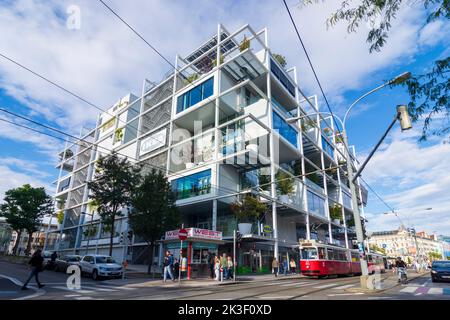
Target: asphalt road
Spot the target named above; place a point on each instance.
(270, 288)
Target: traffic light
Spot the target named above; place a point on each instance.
(238, 236)
(121, 237)
(130, 235)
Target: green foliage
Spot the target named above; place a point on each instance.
(434, 256)
(429, 92)
(192, 78)
(375, 248)
(249, 210)
(90, 231)
(285, 184)
(351, 222)
(60, 217)
(118, 135)
(264, 180)
(280, 59)
(307, 124)
(313, 177)
(245, 44)
(154, 210)
(214, 62)
(336, 212)
(112, 188)
(24, 207)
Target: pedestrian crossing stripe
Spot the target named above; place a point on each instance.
(326, 286)
(344, 287)
(426, 290)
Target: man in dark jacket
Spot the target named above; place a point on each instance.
(210, 263)
(36, 262)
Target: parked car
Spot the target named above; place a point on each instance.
(98, 266)
(64, 262)
(440, 271)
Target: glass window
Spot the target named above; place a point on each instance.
(321, 253)
(309, 253)
(284, 129)
(327, 147)
(192, 185)
(347, 200)
(195, 95)
(104, 260)
(279, 74)
(316, 204)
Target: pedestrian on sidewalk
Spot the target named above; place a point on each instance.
(285, 266)
(176, 268)
(168, 265)
(224, 266)
(210, 263)
(293, 266)
(217, 268)
(36, 263)
(229, 268)
(275, 266)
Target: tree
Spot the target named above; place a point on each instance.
(249, 210)
(429, 91)
(24, 209)
(114, 182)
(153, 210)
(374, 247)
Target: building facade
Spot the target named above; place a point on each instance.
(229, 120)
(402, 243)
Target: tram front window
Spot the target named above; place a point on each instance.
(309, 254)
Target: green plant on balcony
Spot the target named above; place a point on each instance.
(351, 222)
(327, 131)
(90, 231)
(313, 177)
(118, 135)
(191, 78)
(285, 184)
(339, 139)
(221, 60)
(248, 210)
(280, 59)
(92, 206)
(336, 212)
(245, 44)
(307, 124)
(264, 180)
(60, 216)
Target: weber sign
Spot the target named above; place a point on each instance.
(195, 234)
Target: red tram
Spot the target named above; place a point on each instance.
(323, 260)
(376, 263)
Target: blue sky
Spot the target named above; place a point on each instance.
(102, 61)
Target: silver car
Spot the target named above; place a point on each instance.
(98, 266)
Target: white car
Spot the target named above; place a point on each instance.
(98, 266)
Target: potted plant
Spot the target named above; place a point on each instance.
(118, 135)
(245, 44)
(191, 78)
(307, 124)
(336, 213)
(285, 185)
(280, 59)
(60, 216)
(247, 211)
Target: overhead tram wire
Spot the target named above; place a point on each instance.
(377, 195)
(91, 104)
(230, 192)
(321, 89)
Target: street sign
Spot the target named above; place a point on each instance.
(267, 229)
(182, 234)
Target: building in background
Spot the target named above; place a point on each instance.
(219, 131)
(446, 245)
(402, 243)
(5, 235)
(48, 225)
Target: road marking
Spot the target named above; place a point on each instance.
(71, 295)
(38, 292)
(84, 298)
(115, 288)
(325, 286)
(344, 287)
(422, 290)
(299, 284)
(435, 291)
(274, 297)
(446, 291)
(409, 289)
(345, 294)
(82, 291)
(378, 298)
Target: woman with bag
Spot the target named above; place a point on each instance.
(36, 262)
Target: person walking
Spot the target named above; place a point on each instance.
(285, 267)
(293, 266)
(217, 268)
(36, 262)
(168, 265)
(210, 263)
(223, 267)
(176, 268)
(229, 268)
(275, 266)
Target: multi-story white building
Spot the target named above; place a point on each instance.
(220, 131)
(403, 243)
